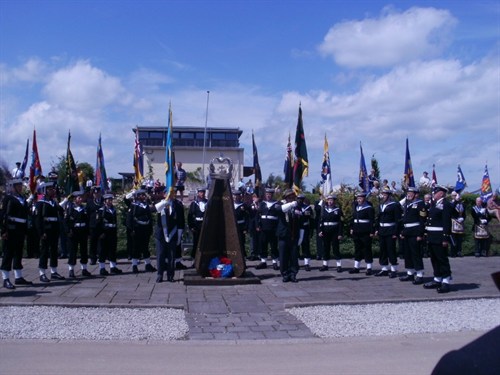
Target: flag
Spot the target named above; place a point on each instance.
(301, 164)
(256, 168)
(100, 170)
(138, 161)
(169, 159)
(25, 160)
(36, 167)
(71, 183)
(434, 178)
(288, 167)
(461, 184)
(364, 184)
(326, 173)
(408, 179)
(486, 191)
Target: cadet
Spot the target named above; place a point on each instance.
(267, 223)
(330, 229)
(13, 226)
(77, 225)
(288, 235)
(48, 213)
(438, 235)
(141, 225)
(306, 223)
(195, 217)
(93, 205)
(241, 213)
(106, 226)
(388, 221)
(362, 231)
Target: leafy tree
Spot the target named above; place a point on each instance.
(375, 167)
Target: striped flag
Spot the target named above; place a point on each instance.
(100, 170)
(169, 159)
(301, 164)
(326, 172)
(35, 167)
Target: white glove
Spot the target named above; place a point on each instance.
(484, 221)
(460, 219)
(130, 195)
(160, 205)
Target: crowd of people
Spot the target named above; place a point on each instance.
(84, 226)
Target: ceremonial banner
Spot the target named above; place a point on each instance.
(169, 159)
(326, 173)
(36, 167)
(138, 161)
(408, 178)
(486, 191)
(100, 170)
(25, 160)
(256, 168)
(288, 167)
(364, 184)
(461, 184)
(71, 178)
(301, 164)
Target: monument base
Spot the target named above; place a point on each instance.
(191, 277)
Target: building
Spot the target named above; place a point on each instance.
(190, 149)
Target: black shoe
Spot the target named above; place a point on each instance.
(307, 267)
(276, 267)
(459, 254)
(418, 280)
(393, 275)
(444, 288)
(253, 258)
(340, 269)
(261, 266)
(115, 270)
(93, 262)
(103, 272)
(56, 276)
(170, 279)
(63, 256)
(159, 279)
(369, 272)
(477, 255)
(8, 285)
(354, 270)
(22, 281)
(86, 273)
(382, 273)
(432, 285)
(286, 279)
(293, 279)
(149, 268)
(71, 274)
(135, 269)
(44, 279)
(407, 278)
(323, 269)
(180, 266)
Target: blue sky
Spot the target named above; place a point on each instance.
(368, 71)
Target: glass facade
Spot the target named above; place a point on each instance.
(191, 138)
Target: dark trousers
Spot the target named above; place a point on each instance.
(48, 249)
(413, 253)
(319, 247)
(32, 243)
(107, 246)
(13, 251)
(439, 260)
(305, 246)
(166, 257)
(482, 246)
(141, 243)
(93, 244)
(255, 243)
(268, 238)
(331, 242)
(363, 247)
(388, 250)
(78, 239)
(456, 244)
(289, 257)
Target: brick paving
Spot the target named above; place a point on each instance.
(248, 312)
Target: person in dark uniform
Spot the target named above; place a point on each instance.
(362, 231)
(412, 233)
(170, 224)
(77, 226)
(48, 214)
(306, 226)
(482, 238)
(438, 230)
(318, 205)
(107, 228)
(32, 239)
(267, 222)
(388, 221)
(140, 221)
(457, 229)
(196, 213)
(93, 206)
(252, 229)
(13, 227)
(242, 214)
(287, 231)
(330, 231)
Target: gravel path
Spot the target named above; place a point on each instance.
(400, 318)
(90, 323)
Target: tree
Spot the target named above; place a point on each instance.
(375, 167)
(86, 170)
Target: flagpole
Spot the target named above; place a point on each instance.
(205, 139)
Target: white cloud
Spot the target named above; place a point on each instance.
(391, 39)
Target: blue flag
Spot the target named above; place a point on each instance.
(408, 179)
(461, 184)
(363, 174)
(169, 159)
(486, 191)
